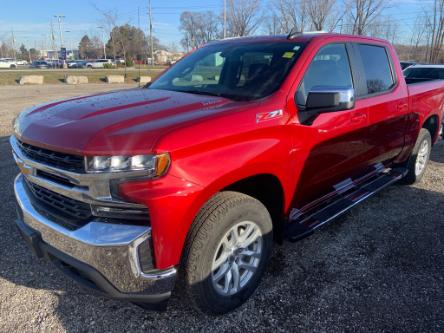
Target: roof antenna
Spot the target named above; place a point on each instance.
(292, 32)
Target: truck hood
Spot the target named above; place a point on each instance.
(118, 122)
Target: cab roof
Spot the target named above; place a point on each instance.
(297, 37)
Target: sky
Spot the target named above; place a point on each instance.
(30, 19)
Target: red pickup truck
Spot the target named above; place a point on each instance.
(241, 144)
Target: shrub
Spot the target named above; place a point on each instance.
(108, 66)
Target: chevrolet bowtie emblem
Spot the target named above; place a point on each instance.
(24, 168)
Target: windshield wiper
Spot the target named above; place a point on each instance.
(224, 95)
(200, 92)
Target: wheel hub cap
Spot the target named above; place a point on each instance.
(237, 258)
(422, 157)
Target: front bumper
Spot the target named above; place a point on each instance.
(99, 255)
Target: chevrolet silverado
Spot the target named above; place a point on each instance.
(242, 144)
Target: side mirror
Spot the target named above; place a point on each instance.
(323, 100)
(330, 100)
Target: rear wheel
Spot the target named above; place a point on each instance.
(417, 163)
(226, 252)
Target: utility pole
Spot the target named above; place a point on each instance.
(60, 19)
(150, 15)
(13, 44)
(225, 19)
(52, 37)
(103, 41)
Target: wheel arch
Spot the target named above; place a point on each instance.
(268, 189)
(432, 125)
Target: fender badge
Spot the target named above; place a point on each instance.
(264, 116)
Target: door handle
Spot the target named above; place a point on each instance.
(402, 107)
(358, 117)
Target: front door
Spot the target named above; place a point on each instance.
(333, 146)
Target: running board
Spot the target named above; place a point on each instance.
(347, 194)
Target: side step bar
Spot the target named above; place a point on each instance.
(347, 194)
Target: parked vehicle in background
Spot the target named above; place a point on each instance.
(243, 143)
(76, 64)
(22, 62)
(421, 73)
(99, 63)
(8, 63)
(41, 64)
(406, 64)
(55, 63)
(119, 61)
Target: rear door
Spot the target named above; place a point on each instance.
(386, 99)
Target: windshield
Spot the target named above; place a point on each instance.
(236, 71)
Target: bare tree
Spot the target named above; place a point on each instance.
(199, 28)
(109, 20)
(292, 14)
(272, 24)
(362, 13)
(319, 12)
(243, 17)
(384, 27)
(418, 39)
(435, 26)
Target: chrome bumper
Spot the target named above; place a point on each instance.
(110, 249)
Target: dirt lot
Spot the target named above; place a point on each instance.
(379, 269)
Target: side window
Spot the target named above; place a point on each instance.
(330, 69)
(377, 70)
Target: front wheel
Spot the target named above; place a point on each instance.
(226, 252)
(417, 163)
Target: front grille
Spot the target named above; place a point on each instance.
(59, 160)
(69, 213)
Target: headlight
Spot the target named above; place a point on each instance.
(155, 165)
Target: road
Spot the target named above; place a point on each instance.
(378, 269)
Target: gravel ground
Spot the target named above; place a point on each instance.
(378, 269)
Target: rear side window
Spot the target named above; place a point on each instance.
(377, 69)
(330, 69)
(424, 73)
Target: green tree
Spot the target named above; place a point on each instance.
(129, 42)
(24, 54)
(34, 54)
(84, 47)
(90, 48)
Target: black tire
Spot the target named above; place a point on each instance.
(220, 214)
(13, 67)
(412, 175)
